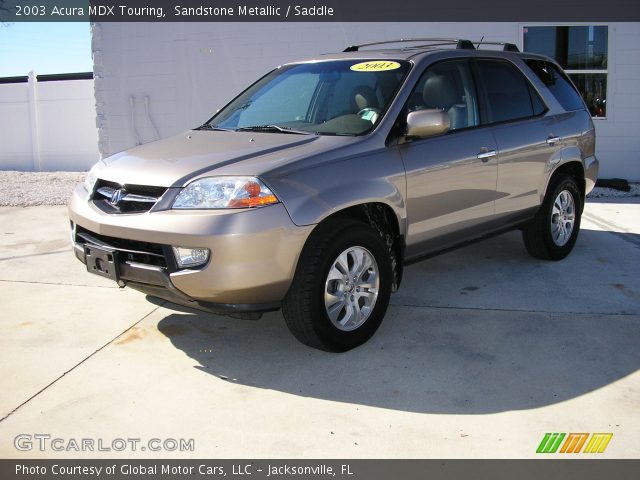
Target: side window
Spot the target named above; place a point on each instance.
(558, 83)
(448, 86)
(509, 94)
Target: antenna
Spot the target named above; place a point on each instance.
(480, 42)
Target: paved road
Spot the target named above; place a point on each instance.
(483, 351)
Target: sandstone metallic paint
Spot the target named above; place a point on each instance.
(437, 187)
(254, 252)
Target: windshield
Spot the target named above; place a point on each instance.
(341, 97)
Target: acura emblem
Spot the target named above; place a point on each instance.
(117, 196)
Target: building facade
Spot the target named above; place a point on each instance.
(153, 80)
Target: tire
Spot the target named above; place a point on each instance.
(357, 306)
(547, 238)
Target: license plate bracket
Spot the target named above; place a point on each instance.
(102, 261)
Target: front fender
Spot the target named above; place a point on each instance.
(313, 194)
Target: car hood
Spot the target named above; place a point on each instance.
(176, 160)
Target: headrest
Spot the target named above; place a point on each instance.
(438, 92)
(365, 97)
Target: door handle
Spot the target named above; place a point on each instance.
(552, 140)
(485, 155)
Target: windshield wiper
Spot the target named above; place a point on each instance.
(272, 129)
(208, 126)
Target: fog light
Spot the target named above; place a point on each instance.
(191, 257)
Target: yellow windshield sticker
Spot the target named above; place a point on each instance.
(375, 66)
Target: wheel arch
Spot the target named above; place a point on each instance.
(574, 169)
(383, 219)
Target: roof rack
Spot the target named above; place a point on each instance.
(507, 47)
(459, 43)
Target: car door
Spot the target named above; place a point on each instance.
(527, 139)
(451, 178)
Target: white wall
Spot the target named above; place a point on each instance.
(618, 137)
(15, 129)
(189, 70)
(53, 128)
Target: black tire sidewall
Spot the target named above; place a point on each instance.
(334, 338)
(562, 183)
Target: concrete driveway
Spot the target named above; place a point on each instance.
(483, 351)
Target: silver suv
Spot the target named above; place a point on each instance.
(312, 188)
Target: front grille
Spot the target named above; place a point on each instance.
(130, 250)
(112, 197)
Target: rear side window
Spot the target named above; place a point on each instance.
(558, 83)
(509, 94)
(538, 107)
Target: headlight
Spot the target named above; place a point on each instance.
(92, 176)
(225, 192)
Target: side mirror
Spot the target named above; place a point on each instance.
(427, 123)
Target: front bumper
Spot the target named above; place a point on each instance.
(254, 252)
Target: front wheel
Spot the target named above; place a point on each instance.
(341, 288)
(553, 232)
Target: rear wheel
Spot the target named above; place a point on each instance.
(553, 232)
(341, 288)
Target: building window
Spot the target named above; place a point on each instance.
(582, 51)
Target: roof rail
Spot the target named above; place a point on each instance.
(460, 43)
(507, 47)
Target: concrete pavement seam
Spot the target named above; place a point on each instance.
(2, 259)
(78, 364)
(626, 236)
(512, 310)
(58, 284)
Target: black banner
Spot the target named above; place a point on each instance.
(581, 469)
(318, 11)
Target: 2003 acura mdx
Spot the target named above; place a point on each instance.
(312, 188)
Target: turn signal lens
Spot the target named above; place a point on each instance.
(252, 188)
(253, 196)
(253, 201)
